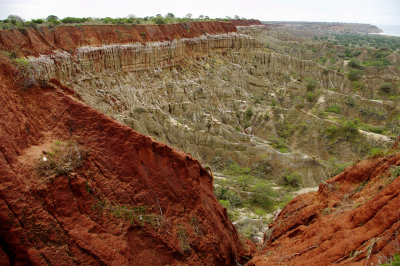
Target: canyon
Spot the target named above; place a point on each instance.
(131, 97)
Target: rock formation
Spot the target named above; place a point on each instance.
(132, 200)
(352, 219)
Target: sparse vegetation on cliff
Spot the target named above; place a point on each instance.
(14, 21)
(63, 158)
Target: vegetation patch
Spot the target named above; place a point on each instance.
(292, 180)
(62, 159)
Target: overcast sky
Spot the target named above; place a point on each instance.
(378, 12)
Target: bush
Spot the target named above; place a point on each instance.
(51, 18)
(235, 170)
(311, 84)
(354, 75)
(350, 101)
(393, 261)
(262, 196)
(244, 181)
(375, 152)
(261, 168)
(225, 203)
(331, 131)
(387, 88)
(248, 114)
(334, 108)
(26, 75)
(38, 21)
(279, 143)
(355, 64)
(310, 96)
(228, 198)
(160, 20)
(63, 158)
(292, 180)
(357, 85)
(395, 172)
(350, 129)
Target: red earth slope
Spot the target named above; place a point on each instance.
(67, 38)
(354, 219)
(64, 221)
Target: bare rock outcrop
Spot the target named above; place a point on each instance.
(353, 219)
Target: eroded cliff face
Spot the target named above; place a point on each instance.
(132, 200)
(88, 60)
(353, 219)
(68, 38)
(194, 93)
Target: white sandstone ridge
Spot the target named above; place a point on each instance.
(135, 56)
(252, 29)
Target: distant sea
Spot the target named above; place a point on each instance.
(393, 30)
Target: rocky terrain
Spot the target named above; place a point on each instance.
(256, 105)
(352, 219)
(78, 186)
(300, 28)
(217, 97)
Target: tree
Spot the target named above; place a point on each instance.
(201, 17)
(52, 18)
(189, 16)
(237, 17)
(170, 16)
(14, 19)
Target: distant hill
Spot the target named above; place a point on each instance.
(316, 28)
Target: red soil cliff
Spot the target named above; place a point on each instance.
(67, 38)
(66, 220)
(354, 219)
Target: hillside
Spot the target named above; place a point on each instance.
(352, 219)
(105, 194)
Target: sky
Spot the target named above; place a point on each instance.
(377, 12)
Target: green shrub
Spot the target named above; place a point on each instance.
(279, 143)
(375, 152)
(350, 129)
(262, 196)
(393, 261)
(373, 129)
(387, 88)
(244, 181)
(331, 131)
(183, 239)
(355, 64)
(357, 85)
(38, 21)
(225, 203)
(228, 197)
(310, 96)
(292, 180)
(354, 75)
(395, 172)
(51, 18)
(350, 101)
(311, 84)
(235, 170)
(248, 114)
(160, 20)
(334, 108)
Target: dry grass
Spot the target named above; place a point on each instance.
(63, 158)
